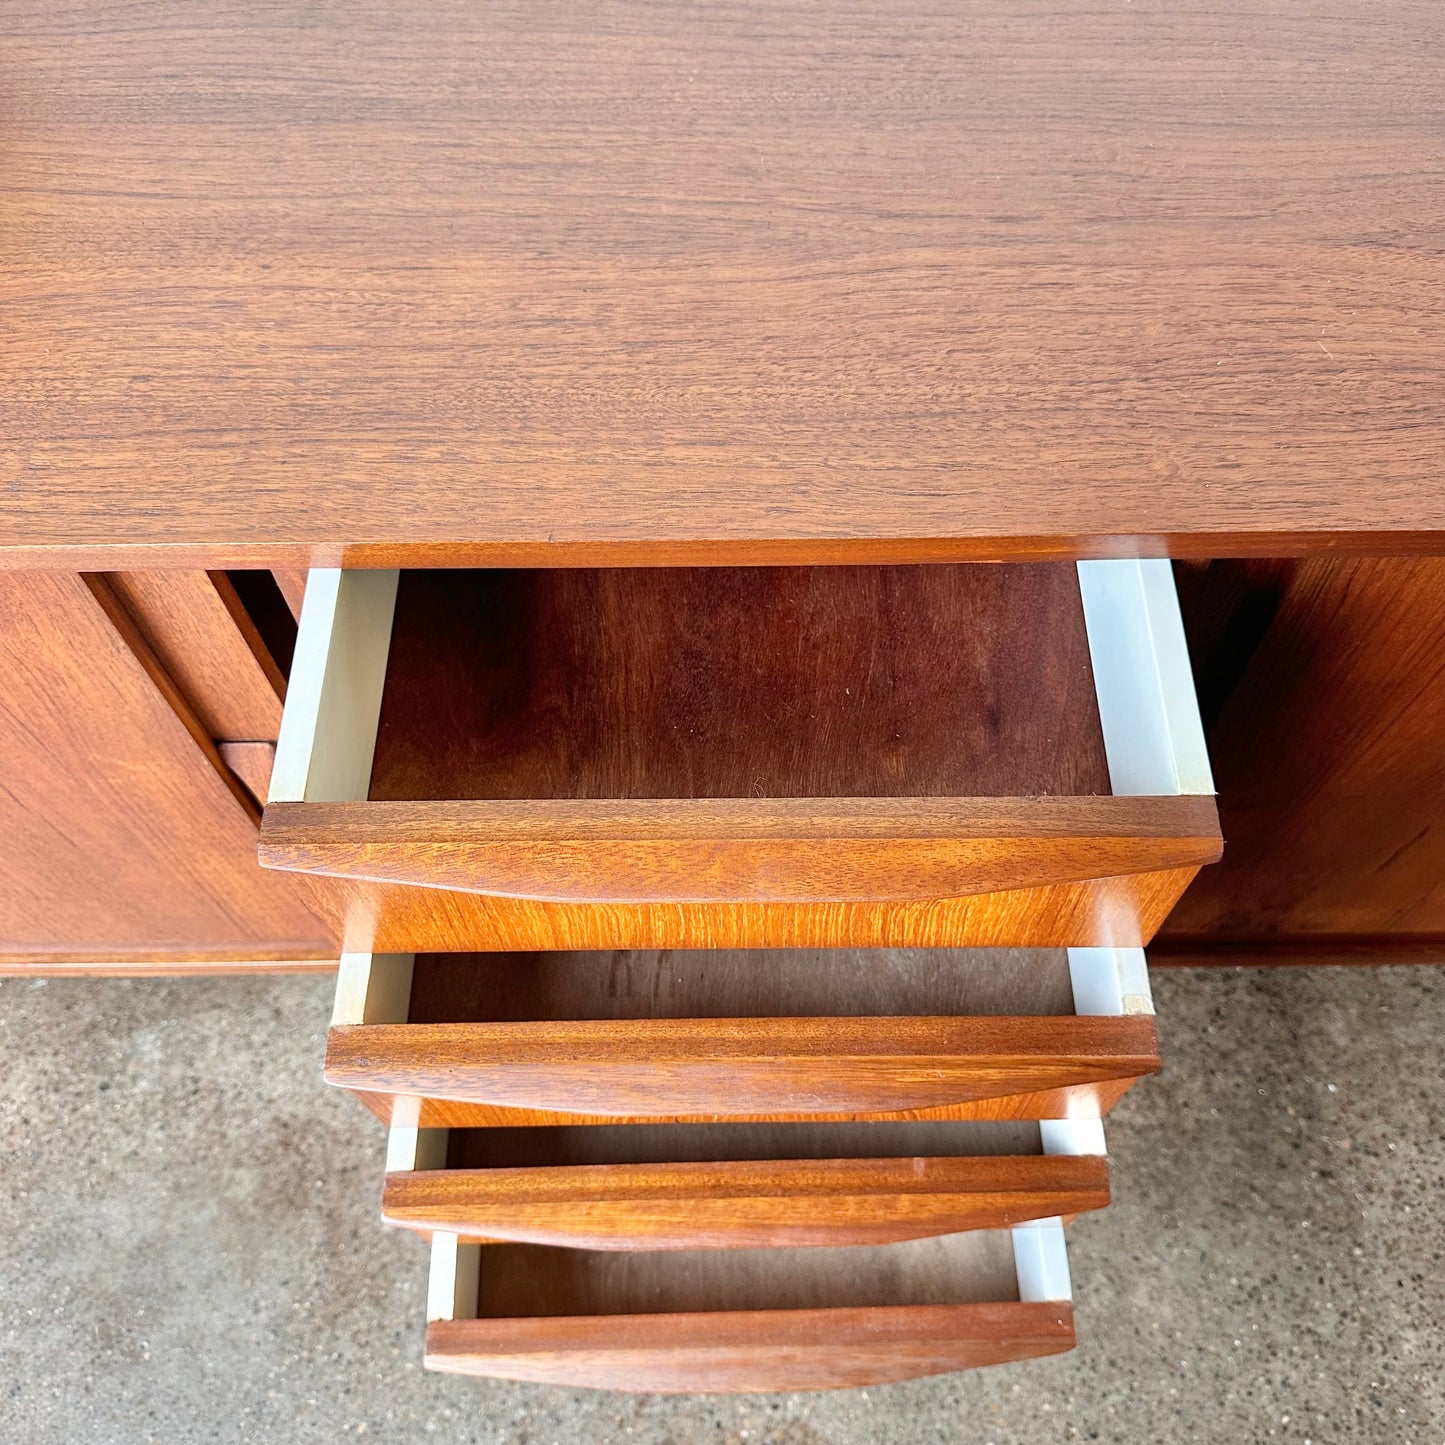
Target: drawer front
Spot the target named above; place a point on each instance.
(739, 1186)
(465, 820)
(740, 851)
(741, 1066)
(872, 1315)
(734, 1063)
(745, 1352)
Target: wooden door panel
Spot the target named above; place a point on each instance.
(121, 843)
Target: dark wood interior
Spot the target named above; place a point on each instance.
(530, 1280)
(697, 1143)
(739, 983)
(739, 682)
(1328, 749)
(267, 619)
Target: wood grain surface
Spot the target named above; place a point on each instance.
(1329, 752)
(742, 1066)
(744, 851)
(772, 282)
(870, 988)
(744, 1203)
(252, 764)
(164, 962)
(1121, 912)
(806, 682)
(751, 1350)
(130, 630)
(123, 845)
(262, 615)
(189, 620)
(292, 582)
(1072, 1101)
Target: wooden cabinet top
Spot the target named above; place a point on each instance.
(527, 282)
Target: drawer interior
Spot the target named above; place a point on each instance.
(740, 983)
(518, 1281)
(562, 1146)
(958, 680)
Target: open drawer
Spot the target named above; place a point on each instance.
(743, 1320)
(740, 1185)
(471, 1040)
(733, 757)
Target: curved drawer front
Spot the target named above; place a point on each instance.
(470, 1039)
(884, 850)
(752, 1351)
(744, 1203)
(740, 1066)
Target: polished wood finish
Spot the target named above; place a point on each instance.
(125, 626)
(166, 963)
(534, 1281)
(731, 1034)
(251, 763)
(741, 1319)
(724, 1067)
(1071, 1101)
(190, 621)
(1328, 754)
(400, 918)
(791, 850)
(739, 682)
(494, 284)
(704, 1201)
(123, 844)
(751, 1350)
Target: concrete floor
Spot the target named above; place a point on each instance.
(190, 1249)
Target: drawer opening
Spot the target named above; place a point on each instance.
(570, 1146)
(714, 752)
(738, 983)
(732, 1320)
(517, 1281)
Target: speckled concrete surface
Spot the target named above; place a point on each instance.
(190, 1249)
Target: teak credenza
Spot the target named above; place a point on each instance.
(729, 569)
